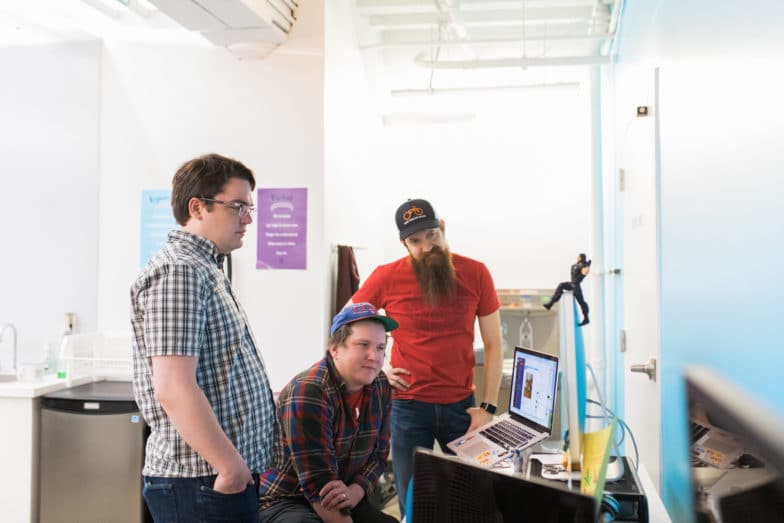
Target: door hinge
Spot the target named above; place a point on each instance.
(621, 180)
(623, 340)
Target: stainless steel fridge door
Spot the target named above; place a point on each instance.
(91, 467)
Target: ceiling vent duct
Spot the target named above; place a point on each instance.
(247, 28)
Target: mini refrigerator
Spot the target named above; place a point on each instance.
(92, 453)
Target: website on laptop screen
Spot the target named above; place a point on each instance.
(533, 389)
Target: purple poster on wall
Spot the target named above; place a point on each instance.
(282, 229)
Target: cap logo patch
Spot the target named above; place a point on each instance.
(363, 307)
(413, 211)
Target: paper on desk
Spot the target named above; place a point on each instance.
(548, 459)
(596, 450)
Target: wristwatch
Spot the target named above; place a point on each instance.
(489, 407)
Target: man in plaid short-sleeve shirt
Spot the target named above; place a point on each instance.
(199, 380)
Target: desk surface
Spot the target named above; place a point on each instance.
(657, 513)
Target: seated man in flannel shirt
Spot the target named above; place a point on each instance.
(333, 439)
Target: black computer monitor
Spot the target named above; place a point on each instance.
(737, 452)
(449, 490)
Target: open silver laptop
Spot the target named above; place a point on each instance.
(714, 446)
(530, 416)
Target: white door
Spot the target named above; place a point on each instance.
(638, 157)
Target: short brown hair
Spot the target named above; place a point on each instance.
(204, 177)
(340, 336)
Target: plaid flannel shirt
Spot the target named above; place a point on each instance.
(317, 441)
(183, 305)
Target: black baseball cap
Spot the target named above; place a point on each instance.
(414, 216)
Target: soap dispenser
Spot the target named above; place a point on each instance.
(70, 327)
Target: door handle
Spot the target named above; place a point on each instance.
(648, 368)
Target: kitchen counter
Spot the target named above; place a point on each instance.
(39, 387)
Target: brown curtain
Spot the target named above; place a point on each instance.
(347, 279)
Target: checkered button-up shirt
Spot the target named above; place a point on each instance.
(183, 305)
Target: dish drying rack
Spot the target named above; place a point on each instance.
(96, 355)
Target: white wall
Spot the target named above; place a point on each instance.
(49, 111)
(351, 142)
(163, 105)
(513, 186)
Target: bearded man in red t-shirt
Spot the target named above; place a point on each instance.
(436, 296)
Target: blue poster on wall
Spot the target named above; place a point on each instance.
(157, 221)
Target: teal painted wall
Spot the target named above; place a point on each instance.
(722, 218)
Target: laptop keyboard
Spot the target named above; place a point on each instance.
(697, 431)
(507, 434)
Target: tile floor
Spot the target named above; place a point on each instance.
(392, 509)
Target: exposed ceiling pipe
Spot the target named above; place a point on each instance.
(504, 18)
(483, 88)
(421, 60)
(383, 6)
(490, 41)
(452, 10)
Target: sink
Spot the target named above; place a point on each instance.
(6, 378)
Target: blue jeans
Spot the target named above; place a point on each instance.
(172, 500)
(419, 424)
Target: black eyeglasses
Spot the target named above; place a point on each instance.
(240, 209)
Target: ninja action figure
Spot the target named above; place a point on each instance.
(579, 271)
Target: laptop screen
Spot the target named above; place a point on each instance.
(534, 381)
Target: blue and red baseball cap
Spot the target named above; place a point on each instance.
(360, 311)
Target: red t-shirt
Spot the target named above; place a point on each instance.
(435, 343)
(354, 402)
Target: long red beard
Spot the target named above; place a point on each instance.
(436, 275)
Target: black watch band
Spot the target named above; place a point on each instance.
(489, 407)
